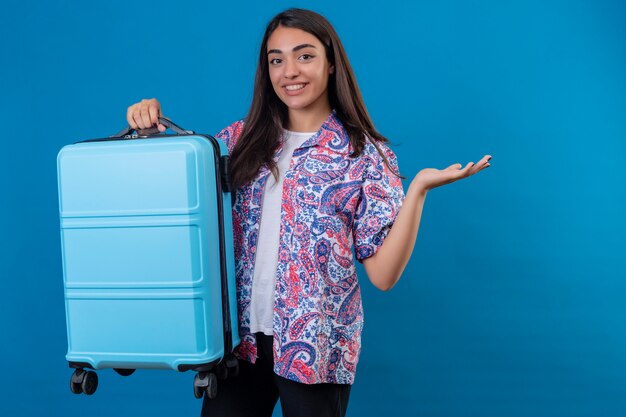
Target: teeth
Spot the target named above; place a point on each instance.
(294, 87)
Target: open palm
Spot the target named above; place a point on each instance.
(430, 178)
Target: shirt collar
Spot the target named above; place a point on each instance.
(331, 134)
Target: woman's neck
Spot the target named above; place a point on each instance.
(307, 120)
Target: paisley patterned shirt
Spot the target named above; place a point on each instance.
(331, 203)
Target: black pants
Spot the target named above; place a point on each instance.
(256, 390)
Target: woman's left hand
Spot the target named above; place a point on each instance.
(429, 178)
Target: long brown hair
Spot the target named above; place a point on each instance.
(268, 115)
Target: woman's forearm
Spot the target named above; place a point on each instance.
(385, 267)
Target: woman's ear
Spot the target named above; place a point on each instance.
(331, 69)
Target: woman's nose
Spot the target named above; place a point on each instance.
(291, 69)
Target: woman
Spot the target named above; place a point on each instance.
(317, 187)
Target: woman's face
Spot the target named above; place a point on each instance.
(299, 69)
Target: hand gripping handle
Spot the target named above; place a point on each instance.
(151, 131)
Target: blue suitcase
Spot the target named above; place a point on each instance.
(147, 250)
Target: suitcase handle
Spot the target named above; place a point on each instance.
(150, 131)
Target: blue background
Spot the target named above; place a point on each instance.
(513, 303)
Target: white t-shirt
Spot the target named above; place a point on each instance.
(266, 260)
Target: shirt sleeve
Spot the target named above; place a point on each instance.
(230, 134)
(380, 201)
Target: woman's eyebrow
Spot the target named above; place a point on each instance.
(295, 48)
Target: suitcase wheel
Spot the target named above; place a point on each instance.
(221, 371)
(85, 382)
(233, 367)
(234, 372)
(205, 383)
(75, 381)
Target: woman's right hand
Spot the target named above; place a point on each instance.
(145, 114)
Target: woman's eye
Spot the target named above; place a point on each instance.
(275, 61)
(305, 57)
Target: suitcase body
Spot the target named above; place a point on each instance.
(147, 251)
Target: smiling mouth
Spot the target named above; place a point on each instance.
(295, 87)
